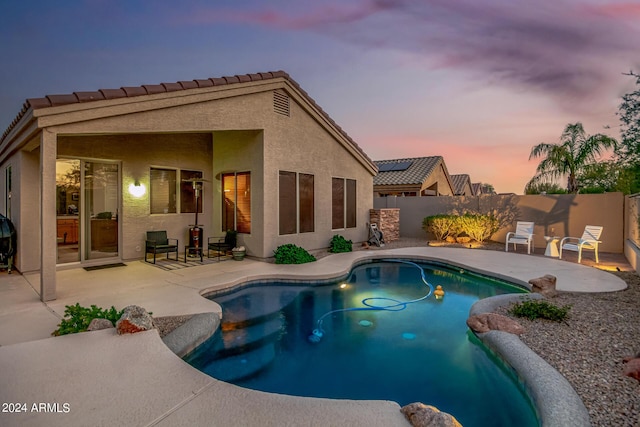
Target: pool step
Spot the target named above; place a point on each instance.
(237, 340)
(235, 368)
(236, 306)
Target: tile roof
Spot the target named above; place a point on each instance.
(133, 91)
(459, 181)
(416, 173)
(477, 188)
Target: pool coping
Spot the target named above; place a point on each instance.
(555, 401)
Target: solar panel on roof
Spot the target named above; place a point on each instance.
(395, 166)
(401, 166)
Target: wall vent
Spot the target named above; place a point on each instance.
(281, 103)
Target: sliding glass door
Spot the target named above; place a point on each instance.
(87, 208)
(101, 201)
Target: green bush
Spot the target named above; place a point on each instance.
(340, 244)
(540, 310)
(292, 254)
(77, 318)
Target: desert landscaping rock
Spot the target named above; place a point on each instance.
(494, 322)
(545, 285)
(421, 415)
(98, 324)
(134, 319)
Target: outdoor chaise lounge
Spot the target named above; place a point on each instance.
(158, 243)
(589, 240)
(522, 236)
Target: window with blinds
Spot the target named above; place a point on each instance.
(343, 203)
(236, 202)
(163, 191)
(296, 201)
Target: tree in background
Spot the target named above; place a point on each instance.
(575, 151)
(628, 151)
(544, 188)
(606, 176)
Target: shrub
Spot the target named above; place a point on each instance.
(440, 225)
(540, 310)
(292, 254)
(340, 244)
(478, 227)
(77, 318)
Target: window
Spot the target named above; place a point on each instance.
(296, 203)
(188, 192)
(307, 203)
(163, 191)
(350, 203)
(343, 203)
(287, 202)
(7, 193)
(236, 202)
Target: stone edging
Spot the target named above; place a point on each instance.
(556, 402)
(185, 338)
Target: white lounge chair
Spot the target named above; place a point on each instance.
(522, 236)
(589, 240)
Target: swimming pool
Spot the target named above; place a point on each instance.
(422, 353)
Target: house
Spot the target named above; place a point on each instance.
(418, 176)
(462, 185)
(86, 174)
(477, 188)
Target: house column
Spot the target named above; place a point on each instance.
(48, 245)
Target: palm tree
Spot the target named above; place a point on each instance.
(570, 156)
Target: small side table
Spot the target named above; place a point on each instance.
(192, 250)
(552, 246)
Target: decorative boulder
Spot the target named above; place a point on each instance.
(98, 324)
(134, 319)
(421, 415)
(632, 367)
(486, 322)
(545, 285)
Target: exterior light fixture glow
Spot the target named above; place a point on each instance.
(137, 189)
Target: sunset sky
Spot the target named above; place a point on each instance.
(478, 82)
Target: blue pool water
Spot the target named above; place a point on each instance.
(423, 353)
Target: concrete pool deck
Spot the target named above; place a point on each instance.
(136, 380)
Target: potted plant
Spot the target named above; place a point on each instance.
(239, 253)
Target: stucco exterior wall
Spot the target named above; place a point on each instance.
(299, 144)
(213, 130)
(440, 177)
(240, 151)
(558, 214)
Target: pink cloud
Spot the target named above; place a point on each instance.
(617, 10)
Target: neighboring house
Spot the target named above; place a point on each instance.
(462, 185)
(480, 188)
(86, 174)
(419, 176)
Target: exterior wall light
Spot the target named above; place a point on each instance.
(137, 189)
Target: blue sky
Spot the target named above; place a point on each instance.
(478, 82)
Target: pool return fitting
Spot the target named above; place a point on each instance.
(318, 332)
